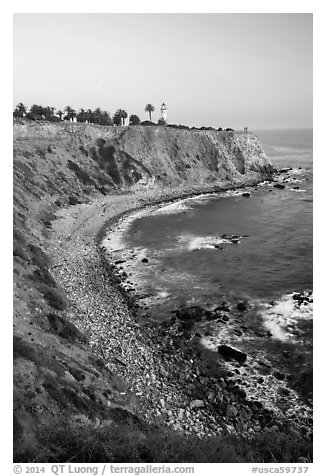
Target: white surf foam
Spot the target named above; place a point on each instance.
(282, 317)
(192, 242)
(170, 209)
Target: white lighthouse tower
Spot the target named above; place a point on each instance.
(163, 112)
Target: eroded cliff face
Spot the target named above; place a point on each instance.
(174, 156)
(61, 165)
(74, 159)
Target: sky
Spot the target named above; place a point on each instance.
(213, 69)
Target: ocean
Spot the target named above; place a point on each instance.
(236, 248)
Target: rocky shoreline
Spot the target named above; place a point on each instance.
(163, 366)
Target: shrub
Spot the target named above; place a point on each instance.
(204, 128)
(42, 275)
(53, 119)
(83, 150)
(80, 174)
(65, 329)
(134, 120)
(73, 200)
(133, 441)
(147, 123)
(47, 217)
(38, 257)
(19, 250)
(54, 297)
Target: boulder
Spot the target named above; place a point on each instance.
(279, 375)
(212, 316)
(194, 313)
(284, 170)
(229, 353)
(279, 185)
(242, 306)
(223, 306)
(197, 404)
(231, 411)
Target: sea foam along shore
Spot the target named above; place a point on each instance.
(163, 375)
(127, 264)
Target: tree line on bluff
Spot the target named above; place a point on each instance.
(96, 116)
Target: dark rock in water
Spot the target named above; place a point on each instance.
(296, 297)
(278, 375)
(194, 313)
(246, 194)
(187, 325)
(242, 306)
(120, 261)
(212, 316)
(238, 332)
(241, 393)
(144, 260)
(279, 185)
(257, 404)
(187, 334)
(284, 170)
(229, 353)
(296, 188)
(287, 354)
(222, 307)
(260, 333)
(225, 318)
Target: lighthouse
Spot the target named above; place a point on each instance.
(163, 112)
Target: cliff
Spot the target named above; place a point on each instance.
(59, 159)
(72, 325)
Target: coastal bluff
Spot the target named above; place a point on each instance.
(90, 381)
(112, 158)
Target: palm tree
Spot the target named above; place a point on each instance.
(71, 113)
(124, 116)
(106, 119)
(20, 110)
(48, 111)
(98, 115)
(149, 108)
(90, 116)
(81, 116)
(60, 114)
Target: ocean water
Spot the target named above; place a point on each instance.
(230, 247)
(274, 254)
(205, 249)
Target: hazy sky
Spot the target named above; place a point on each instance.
(229, 70)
